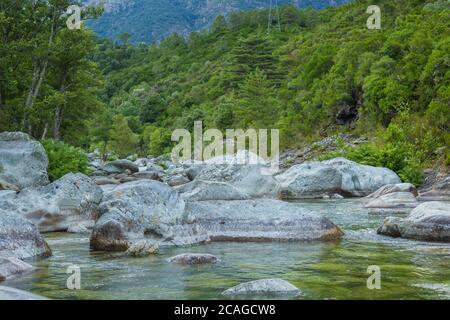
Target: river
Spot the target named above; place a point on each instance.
(322, 270)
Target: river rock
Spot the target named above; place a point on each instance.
(394, 188)
(20, 238)
(144, 210)
(264, 286)
(7, 293)
(142, 249)
(102, 181)
(428, 222)
(64, 204)
(261, 220)
(23, 161)
(194, 258)
(199, 190)
(12, 267)
(439, 191)
(341, 176)
(8, 186)
(248, 179)
(120, 166)
(396, 200)
(149, 175)
(177, 180)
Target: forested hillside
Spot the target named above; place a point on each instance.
(321, 73)
(153, 20)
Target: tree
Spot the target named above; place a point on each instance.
(123, 141)
(252, 53)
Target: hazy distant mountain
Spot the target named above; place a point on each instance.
(153, 20)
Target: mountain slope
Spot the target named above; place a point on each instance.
(153, 20)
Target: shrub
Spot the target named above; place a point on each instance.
(64, 159)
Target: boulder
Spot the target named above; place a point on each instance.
(394, 188)
(102, 181)
(144, 210)
(248, 179)
(8, 186)
(440, 191)
(347, 178)
(72, 200)
(142, 249)
(428, 222)
(396, 200)
(199, 190)
(149, 175)
(264, 287)
(261, 220)
(23, 161)
(194, 258)
(176, 180)
(120, 166)
(20, 238)
(7, 293)
(11, 267)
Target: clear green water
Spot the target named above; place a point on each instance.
(331, 270)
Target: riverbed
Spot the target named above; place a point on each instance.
(321, 270)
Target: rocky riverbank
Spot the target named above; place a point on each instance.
(139, 206)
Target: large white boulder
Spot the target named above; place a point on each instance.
(144, 211)
(261, 220)
(68, 204)
(23, 161)
(429, 222)
(20, 238)
(338, 176)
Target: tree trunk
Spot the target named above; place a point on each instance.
(40, 69)
(59, 112)
(44, 134)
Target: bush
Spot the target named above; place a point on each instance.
(64, 159)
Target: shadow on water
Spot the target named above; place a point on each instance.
(322, 270)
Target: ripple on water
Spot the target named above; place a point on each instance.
(322, 270)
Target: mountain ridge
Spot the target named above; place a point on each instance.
(151, 21)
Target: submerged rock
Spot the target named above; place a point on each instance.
(264, 286)
(337, 176)
(194, 258)
(261, 220)
(199, 190)
(12, 267)
(428, 222)
(20, 238)
(23, 161)
(144, 210)
(64, 204)
(7, 293)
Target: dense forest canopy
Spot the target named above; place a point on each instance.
(322, 73)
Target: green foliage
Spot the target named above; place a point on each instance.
(64, 159)
(122, 140)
